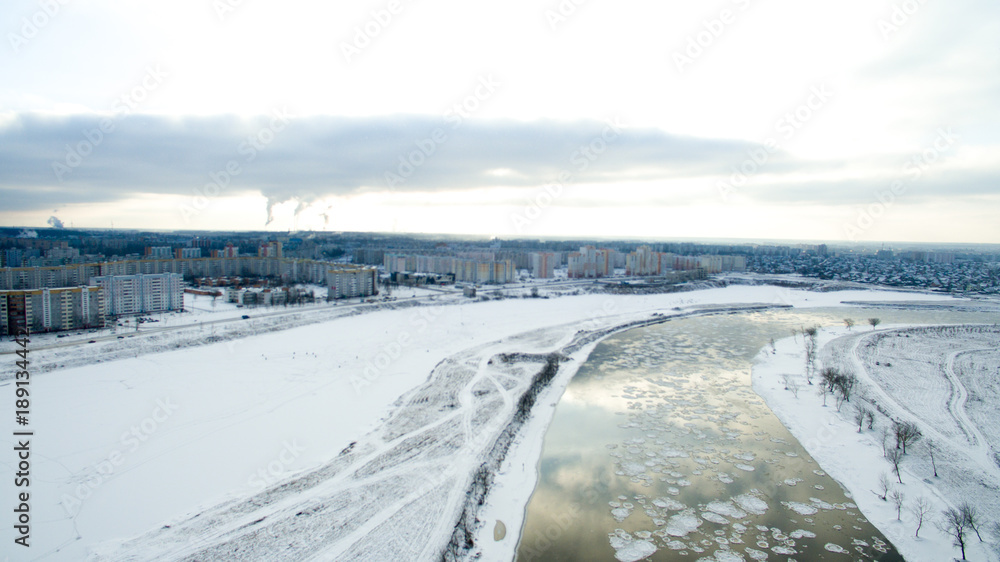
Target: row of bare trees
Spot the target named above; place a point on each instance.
(840, 385)
(958, 522)
(955, 522)
(873, 322)
(896, 438)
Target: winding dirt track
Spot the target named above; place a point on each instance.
(976, 446)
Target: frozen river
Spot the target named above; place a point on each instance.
(659, 449)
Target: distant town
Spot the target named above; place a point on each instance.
(61, 279)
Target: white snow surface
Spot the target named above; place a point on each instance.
(330, 433)
(922, 383)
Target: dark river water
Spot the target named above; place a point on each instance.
(660, 450)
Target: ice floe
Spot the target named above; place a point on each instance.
(629, 549)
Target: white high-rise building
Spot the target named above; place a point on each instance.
(351, 282)
(43, 310)
(590, 262)
(643, 261)
(141, 293)
(543, 265)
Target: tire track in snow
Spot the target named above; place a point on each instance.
(862, 371)
(956, 404)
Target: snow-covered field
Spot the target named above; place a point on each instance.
(945, 379)
(368, 422)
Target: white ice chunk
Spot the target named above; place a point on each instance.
(751, 503)
(726, 508)
(682, 524)
(628, 549)
(800, 508)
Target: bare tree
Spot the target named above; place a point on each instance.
(920, 508)
(849, 322)
(809, 336)
(859, 416)
(773, 348)
(874, 322)
(862, 413)
(884, 485)
(845, 385)
(884, 436)
(840, 400)
(897, 500)
(971, 515)
(828, 378)
(954, 525)
(906, 433)
(930, 450)
(793, 385)
(895, 457)
(841, 385)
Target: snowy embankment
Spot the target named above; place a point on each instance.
(906, 374)
(135, 441)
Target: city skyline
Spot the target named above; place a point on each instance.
(854, 122)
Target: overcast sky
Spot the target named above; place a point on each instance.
(856, 120)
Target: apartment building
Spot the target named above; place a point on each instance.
(141, 293)
(469, 270)
(187, 253)
(543, 265)
(351, 282)
(45, 310)
(590, 263)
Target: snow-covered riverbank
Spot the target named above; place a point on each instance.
(918, 392)
(134, 444)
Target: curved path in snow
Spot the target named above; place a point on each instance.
(976, 448)
(397, 493)
(956, 405)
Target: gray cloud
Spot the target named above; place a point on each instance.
(932, 185)
(310, 158)
(316, 156)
